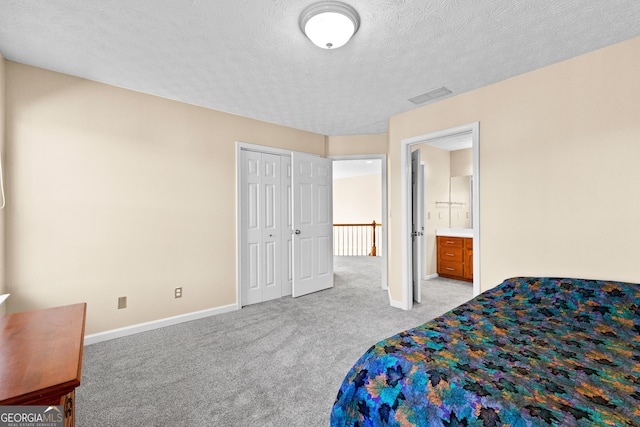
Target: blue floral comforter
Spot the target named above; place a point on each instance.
(530, 352)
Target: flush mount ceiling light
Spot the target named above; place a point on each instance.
(329, 24)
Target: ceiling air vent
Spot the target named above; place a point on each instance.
(431, 95)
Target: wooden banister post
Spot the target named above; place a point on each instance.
(373, 230)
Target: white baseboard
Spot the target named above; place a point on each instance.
(430, 276)
(396, 304)
(156, 324)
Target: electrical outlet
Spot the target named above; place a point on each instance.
(122, 302)
(178, 292)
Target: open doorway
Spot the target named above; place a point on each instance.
(359, 206)
(470, 131)
(444, 253)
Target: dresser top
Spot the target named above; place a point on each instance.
(40, 352)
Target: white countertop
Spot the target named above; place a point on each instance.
(455, 232)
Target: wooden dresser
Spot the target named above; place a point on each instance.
(41, 357)
(455, 257)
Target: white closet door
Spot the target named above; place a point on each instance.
(250, 225)
(271, 227)
(261, 224)
(312, 224)
(287, 226)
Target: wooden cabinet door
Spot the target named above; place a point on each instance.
(468, 259)
(455, 258)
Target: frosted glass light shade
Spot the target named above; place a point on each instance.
(329, 24)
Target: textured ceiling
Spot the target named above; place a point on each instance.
(249, 57)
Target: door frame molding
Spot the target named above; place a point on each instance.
(383, 215)
(419, 209)
(405, 179)
(248, 147)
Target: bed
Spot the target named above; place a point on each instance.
(529, 352)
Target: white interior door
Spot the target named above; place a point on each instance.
(312, 224)
(271, 227)
(262, 227)
(287, 226)
(417, 222)
(250, 223)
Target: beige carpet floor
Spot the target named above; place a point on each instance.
(278, 363)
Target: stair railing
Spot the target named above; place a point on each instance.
(355, 239)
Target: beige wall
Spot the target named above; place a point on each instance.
(357, 200)
(356, 145)
(117, 193)
(462, 162)
(2, 211)
(558, 168)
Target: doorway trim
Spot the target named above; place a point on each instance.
(405, 179)
(383, 200)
